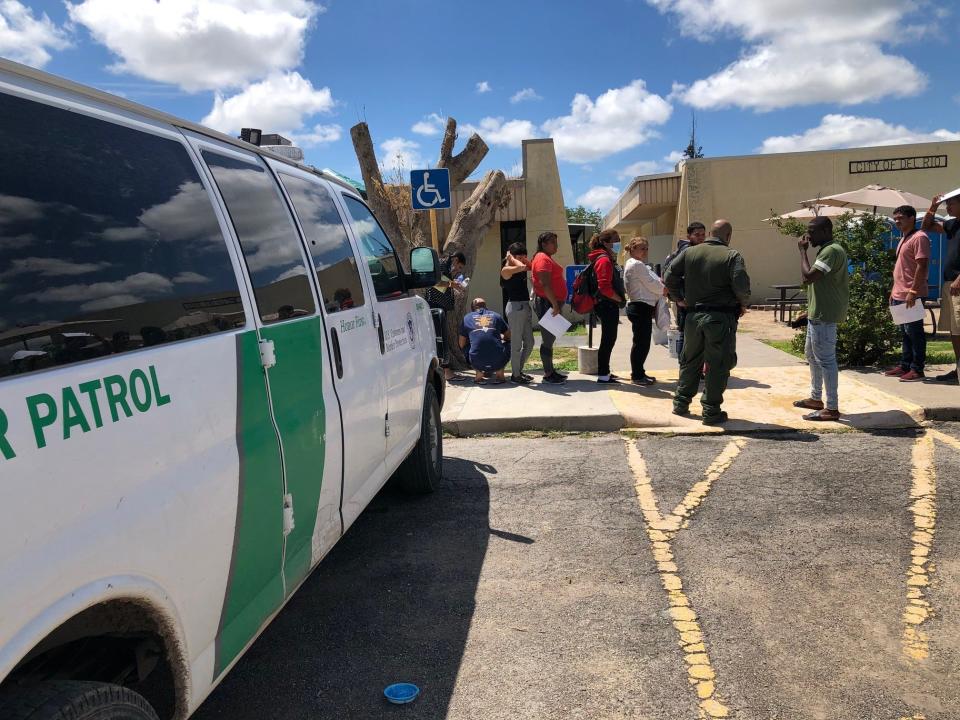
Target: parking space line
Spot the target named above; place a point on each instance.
(661, 532)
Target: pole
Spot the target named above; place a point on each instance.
(433, 231)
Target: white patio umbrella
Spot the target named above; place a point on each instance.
(812, 211)
(873, 196)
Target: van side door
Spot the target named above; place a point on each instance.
(291, 346)
(359, 374)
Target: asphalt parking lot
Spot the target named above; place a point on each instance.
(780, 576)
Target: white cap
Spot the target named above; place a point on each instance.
(950, 195)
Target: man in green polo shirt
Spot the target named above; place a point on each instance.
(828, 296)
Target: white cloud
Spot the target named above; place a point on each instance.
(136, 285)
(432, 124)
(51, 267)
(25, 38)
(651, 167)
(619, 119)
(525, 94)
(828, 52)
(399, 154)
(278, 104)
(319, 135)
(200, 44)
(483, 87)
(599, 197)
(509, 133)
(844, 131)
(190, 277)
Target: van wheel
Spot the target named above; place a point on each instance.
(422, 471)
(75, 700)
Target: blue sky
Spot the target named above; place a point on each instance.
(613, 81)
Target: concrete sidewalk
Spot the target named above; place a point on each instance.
(759, 398)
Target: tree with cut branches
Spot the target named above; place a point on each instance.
(390, 203)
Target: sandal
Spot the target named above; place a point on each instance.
(809, 404)
(480, 381)
(823, 416)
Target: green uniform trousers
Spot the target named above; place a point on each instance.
(709, 343)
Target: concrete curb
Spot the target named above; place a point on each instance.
(495, 426)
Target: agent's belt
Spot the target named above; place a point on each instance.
(700, 307)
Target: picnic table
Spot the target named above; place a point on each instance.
(784, 303)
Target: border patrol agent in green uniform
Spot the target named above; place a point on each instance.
(712, 280)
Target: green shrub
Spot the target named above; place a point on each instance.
(868, 333)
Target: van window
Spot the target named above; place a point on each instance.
(268, 237)
(330, 247)
(108, 241)
(377, 251)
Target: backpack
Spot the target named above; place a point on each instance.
(585, 290)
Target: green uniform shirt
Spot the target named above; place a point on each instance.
(708, 274)
(829, 295)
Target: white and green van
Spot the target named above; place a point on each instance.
(210, 361)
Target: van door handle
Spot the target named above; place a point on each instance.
(336, 353)
(383, 348)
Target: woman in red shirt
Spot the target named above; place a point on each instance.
(609, 300)
(550, 289)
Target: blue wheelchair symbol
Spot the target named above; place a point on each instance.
(430, 189)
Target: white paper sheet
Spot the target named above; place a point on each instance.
(902, 314)
(556, 325)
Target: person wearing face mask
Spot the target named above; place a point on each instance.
(610, 298)
(828, 294)
(643, 290)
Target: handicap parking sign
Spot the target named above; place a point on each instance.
(430, 189)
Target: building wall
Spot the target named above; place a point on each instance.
(545, 208)
(747, 189)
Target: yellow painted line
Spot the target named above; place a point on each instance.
(661, 531)
(947, 439)
(923, 493)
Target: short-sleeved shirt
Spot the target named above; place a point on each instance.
(544, 263)
(484, 329)
(910, 251)
(951, 261)
(829, 295)
(515, 287)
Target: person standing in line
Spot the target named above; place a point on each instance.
(644, 289)
(513, 280)
(550, 289)
(696, 234)
(610, 298)
(950, 295)
(828, 294)
(716, 286)
(909, 288)
(440, 297)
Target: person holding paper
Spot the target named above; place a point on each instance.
(827, 282)
(609, 300)
(950, 295)
(910, 288)
(550, 289)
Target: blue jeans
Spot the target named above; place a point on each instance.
(914, 345)
(821, 351)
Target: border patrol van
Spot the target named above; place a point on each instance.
(210, 361)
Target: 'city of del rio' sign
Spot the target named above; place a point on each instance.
(919, 162)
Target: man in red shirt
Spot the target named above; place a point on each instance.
(910, 287)
(550, 289)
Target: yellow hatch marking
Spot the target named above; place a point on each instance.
(923, 494)
(661, 531)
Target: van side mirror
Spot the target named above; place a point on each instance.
(424, 268)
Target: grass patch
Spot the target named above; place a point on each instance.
(564, 358)
(577, 329)
(939, 352)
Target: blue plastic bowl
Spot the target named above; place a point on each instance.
(401, 693)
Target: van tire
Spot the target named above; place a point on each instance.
(422, 470)
(75, 700)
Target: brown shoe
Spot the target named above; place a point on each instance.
(808, 404)
(824, 415)
(911, 376)
(895, 372)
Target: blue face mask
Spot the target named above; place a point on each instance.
(616, 248)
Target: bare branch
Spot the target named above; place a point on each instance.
(464, 162)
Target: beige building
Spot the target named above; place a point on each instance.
(536, 205)
(746, 189)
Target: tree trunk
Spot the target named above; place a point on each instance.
(475, 216)
(378, 197)
(466, 161)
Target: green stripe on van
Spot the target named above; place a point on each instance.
(254, 586)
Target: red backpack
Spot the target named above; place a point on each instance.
(585, 290)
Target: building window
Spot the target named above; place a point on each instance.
(333, 257)
(108, 241)
(268, 237)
